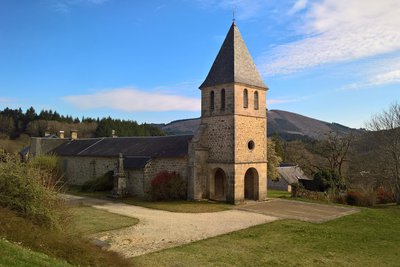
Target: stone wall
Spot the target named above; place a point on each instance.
(260, 184)
(205, 101)
(220, 123)
(197, 164)
(250, 129)
(250, 110)
(78, 170)
(235, 142)
(220, 133)
(135, 183)
(152, 168)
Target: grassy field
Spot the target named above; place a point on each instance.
(14, 146)
(368, 238)
(278, 194)
(15, 255)
(89, 220)
(180, 206)
(173, 206)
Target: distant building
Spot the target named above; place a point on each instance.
(288, 175)
(225, 160)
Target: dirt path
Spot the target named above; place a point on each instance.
(158, 229)
(303, 211)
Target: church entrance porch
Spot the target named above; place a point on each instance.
(251, 184)
(218, 185)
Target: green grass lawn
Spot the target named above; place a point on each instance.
(15, 255)
(368, 238)
(87, 220)
(180, 206)
(173, 206)
(271, 193)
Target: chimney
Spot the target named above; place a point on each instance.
(74, 134)
(113, 134)
(61, 134)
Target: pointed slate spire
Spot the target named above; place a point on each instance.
(233, 63)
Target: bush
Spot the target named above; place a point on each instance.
(168, 186)
(296, 187)
(383, 196)
(50, 172)
(102, 183)
(22, 189)
(325, 180)
(357, 198)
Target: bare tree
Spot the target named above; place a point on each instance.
(335, 150)
(386, 128)
(296, 152)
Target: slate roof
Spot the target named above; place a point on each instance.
(135, 163)
(292, 174)
(233, 63)
(139, 147)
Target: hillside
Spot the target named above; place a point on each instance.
(288, 125)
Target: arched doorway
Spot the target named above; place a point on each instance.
(251, 184)
(219, 184)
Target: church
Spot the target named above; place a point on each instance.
(225, 160)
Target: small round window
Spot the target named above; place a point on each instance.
(251, 144)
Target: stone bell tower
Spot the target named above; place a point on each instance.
(233, 126)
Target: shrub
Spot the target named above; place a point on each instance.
(325, 180)
(23, 191)
(168, 186)
(357, 198)
(50, 171)
(383, 196)
(102, 183)
(295, 189)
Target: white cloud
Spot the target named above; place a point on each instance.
(278, 101)
(64, 6)
(132, 100)
(298, 6)
(337, 31)
(377, 80)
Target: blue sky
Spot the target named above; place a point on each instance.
(334, 60)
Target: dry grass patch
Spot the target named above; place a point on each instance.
(56, 244)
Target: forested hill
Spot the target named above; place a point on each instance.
(288, 125)
(15, 122)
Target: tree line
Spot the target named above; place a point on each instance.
(367, 162)
(14, 122)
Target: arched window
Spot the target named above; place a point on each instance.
(212, 100)
(255, 100)
(223, 99)
(245, 99)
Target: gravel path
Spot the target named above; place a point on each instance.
(158, 229)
